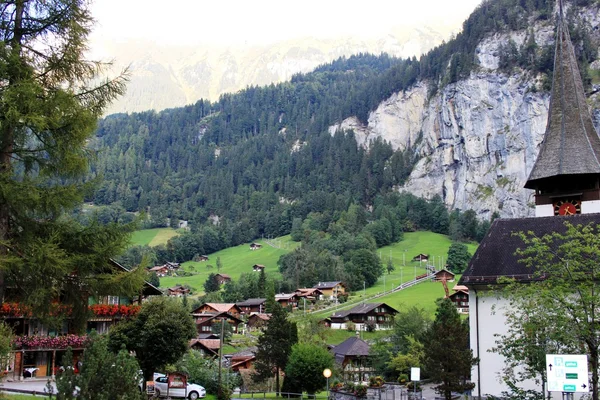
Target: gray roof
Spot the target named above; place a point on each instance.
(251, 302)
(571, 145)
(351, 347)
(361, 309)
(326, 285)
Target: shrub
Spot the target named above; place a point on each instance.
(402, 379)
(350, 326)
(376, 381)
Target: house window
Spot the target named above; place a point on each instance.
(371, 318)
(111, 300)
(206, 328)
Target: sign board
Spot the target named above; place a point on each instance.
(176, 381)
(415, 374)
(567, 373)
(150, 387)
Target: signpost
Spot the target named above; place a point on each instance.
(567, 373)
(415, 376)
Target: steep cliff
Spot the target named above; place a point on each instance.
(476, 139)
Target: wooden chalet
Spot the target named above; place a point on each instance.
(287, 300)
(444, 275)
(242, 360)
(39, 348)
(460, 298)
(257, 321)
(160, 270)
(352, 357)
(205, 321)
(178, 291)
(331, 290)
(202, 258)
(252, 306)
(173, 266)
(258, 267)
(230, 308)
(421, 257)
(223, 278)
(207, 347)
(379, 315)
(310, 294)
(255, 246)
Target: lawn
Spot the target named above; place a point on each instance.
(152, 237)
(235, 261)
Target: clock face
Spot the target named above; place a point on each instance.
(567, 207)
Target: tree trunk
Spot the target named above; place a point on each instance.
(594, 366)
(277, 382)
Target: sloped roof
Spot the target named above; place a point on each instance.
(351, 347)
(571, 145)
(327, 285)
(220, 307)
(285, 296)
(361, 309)
(495, 257)
(251, 302)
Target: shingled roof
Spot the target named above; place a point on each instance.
(495, 257)
(571, 145)
(351, 347)
(361, 309)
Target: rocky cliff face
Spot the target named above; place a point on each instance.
(477, 139)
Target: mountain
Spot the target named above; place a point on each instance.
(463, 122)
(166, 77)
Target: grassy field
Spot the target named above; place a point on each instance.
(152, 237)
(235, 260)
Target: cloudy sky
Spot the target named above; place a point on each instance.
(227, 22)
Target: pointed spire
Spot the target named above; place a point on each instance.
(571, 145)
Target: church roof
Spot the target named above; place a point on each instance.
(495, 257)
(571, 145)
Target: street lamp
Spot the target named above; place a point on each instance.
(327, 374)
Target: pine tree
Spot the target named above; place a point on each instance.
(49, 110)
(262, 284)
(448, 358)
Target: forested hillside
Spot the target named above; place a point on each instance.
(258, 161)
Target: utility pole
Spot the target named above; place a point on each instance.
(219, 390)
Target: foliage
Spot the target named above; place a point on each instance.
(103, 375)
(414, 357)
(410, 324)
(458, 257)
(212, 284)
(275, 345)
(50, 342)
(376, 381)
(158, 334)
(205, 372)
(6, 340)
(50, 106)
(448, 358)
(305, 367)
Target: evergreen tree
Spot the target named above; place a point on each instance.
(458, 257)
(262, 284)
(212, 283)
(49, 109)
(275, 346)
(448, 358)
(390, 266)
(304, 370)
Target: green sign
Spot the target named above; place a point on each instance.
(569, 388)
(571, 364)
(571, 376)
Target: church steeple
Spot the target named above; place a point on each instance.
(567, 170)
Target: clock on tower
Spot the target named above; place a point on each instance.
(567, 207)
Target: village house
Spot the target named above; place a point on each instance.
(223, 278)
(160, 270)
(258, 267)
(242, 360)
(257, 321)
(202, 258)
(352, 357)
(205, 321)
(421, 257)
(310, 294)
(172, 266)
(39, 348)
(207, 347)
(252, 306)
(376, 315)
(331, 290)
(443, 275)
(565, 178)
(230, 308)
(287, 300)
(178, 291)
(460, 298)
(255, 246)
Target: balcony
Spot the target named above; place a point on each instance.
(49, 342)
(16, 310)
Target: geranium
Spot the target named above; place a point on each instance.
(111, 310)
(50, 342)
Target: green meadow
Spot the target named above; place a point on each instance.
(152, 237)
(235, 261)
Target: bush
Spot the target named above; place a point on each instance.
(360, 391)
(402, 379)
(371, 326)
(350, 326)
(410, 386)
(376, 381)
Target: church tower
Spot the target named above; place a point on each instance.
(566, 174)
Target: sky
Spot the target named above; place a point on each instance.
(260, 22)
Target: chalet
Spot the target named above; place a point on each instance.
(352, 357)
(205, 321)
(223, 278)
(173, 266)
(230, 308)
(331, 290)
(258, 267)
(378, 315)
(443, 275)
(255, 246)
(39, 348)
(252, 306)
(178, 291)
(287, 300)
(460, 298)
(311, 294)
(207, 347)
(160, 270)
(257, 321)
(565, 178)
(242, 360)
(202, 258)
(421, 257)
